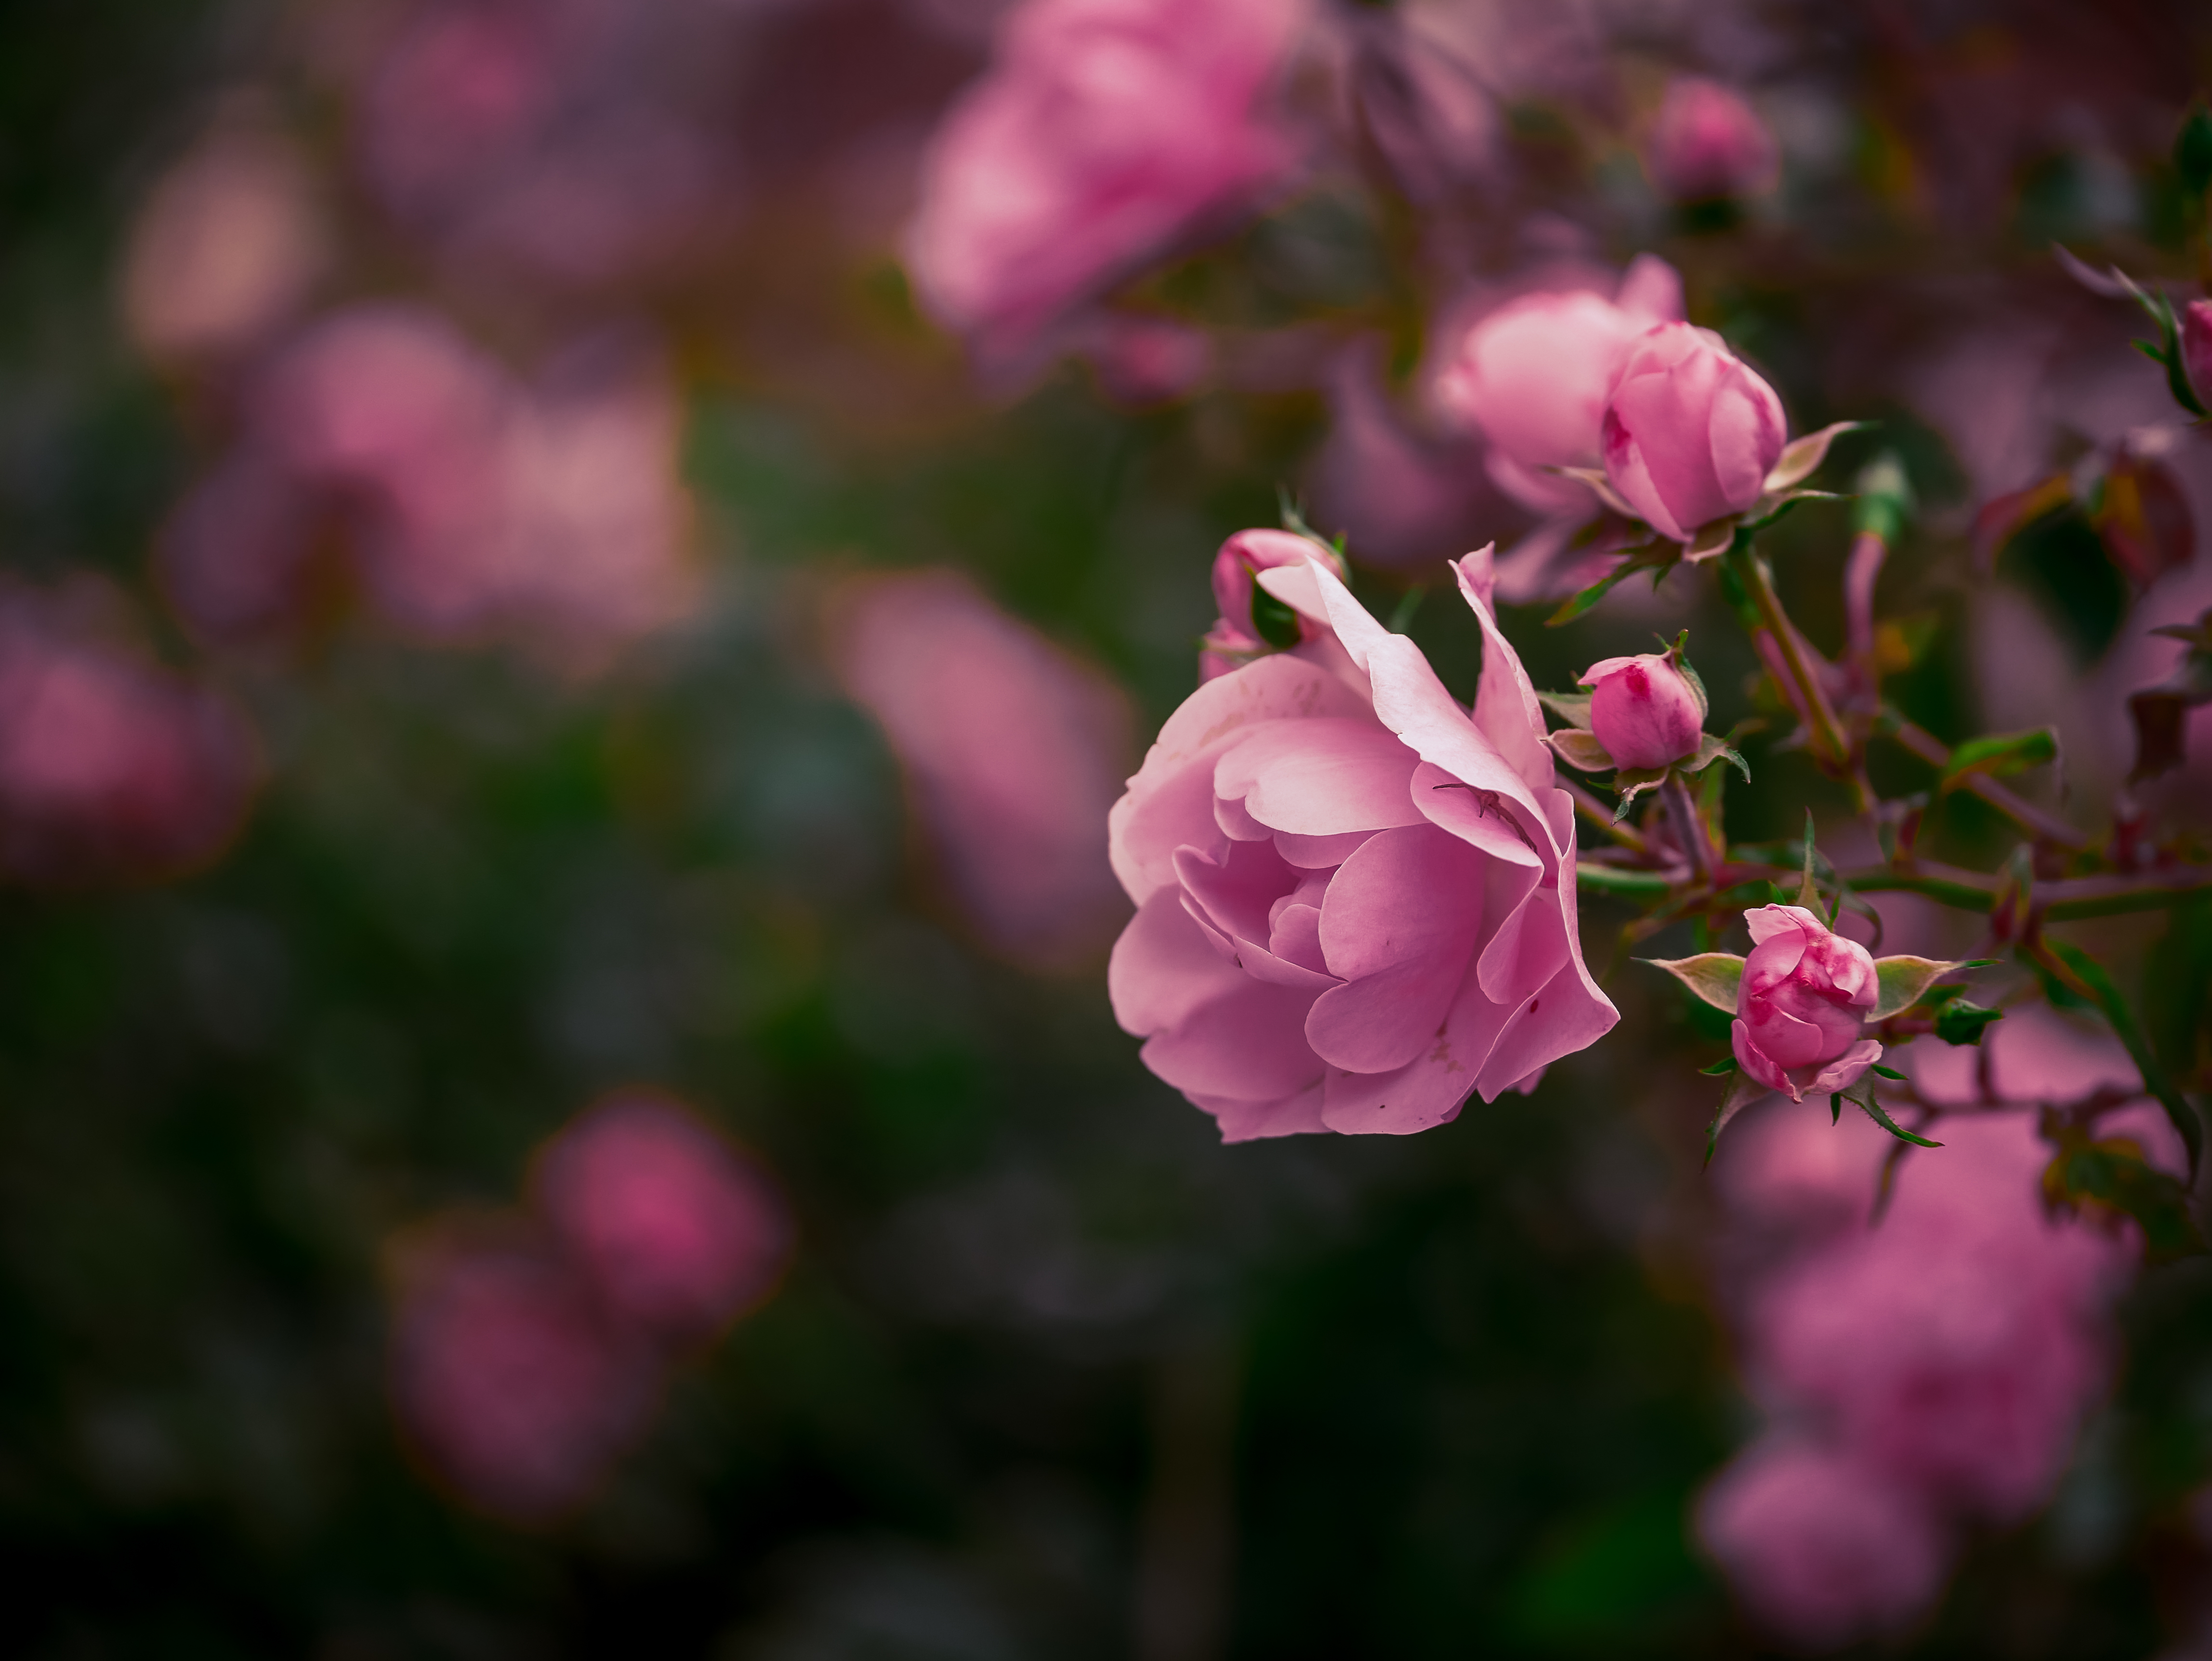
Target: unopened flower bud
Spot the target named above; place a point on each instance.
(1644, 710)
(1690, 431)
(1251, 619)
(1806, 997)
(2197, 348)
(1708, 143)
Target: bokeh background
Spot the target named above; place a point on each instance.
(558, 702)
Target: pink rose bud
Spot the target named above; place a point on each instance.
(1644, 710)
(2196, 347)
(1803, 1004)
(1708, 143)
(1691, 433)
(1248, 552)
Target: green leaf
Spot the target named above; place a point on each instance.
(1409, 605)
(1963, 1023)
(2000, 756)
(1874, 1111)
(2113, 1173)
(1649, 557)
(2192, 151)
(1902, 980)
(1274, 620)
(1572, 708)
(1721, 1068)
(1713, 975)
(1886, 1072)
(1580, 749)
(1633, 782)
(2094, 979)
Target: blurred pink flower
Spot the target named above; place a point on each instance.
(1143, 360)
(1013, 750)
(1643, 710)
(1945, 1355)
(474, 504)
(1399, 496)
(226, 247)
(1806, 995)
(1823, 1548)
(675, 1231)
(1355, 900)
(1533, 376)
(1708, 141)
(1105, 130)
(1691, 432)
(566, 141)
(511, 1385)
(2196, 347)
(110, 767)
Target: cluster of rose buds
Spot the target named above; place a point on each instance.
(528, 1349)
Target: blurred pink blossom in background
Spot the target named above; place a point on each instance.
(1932, 1369)
(514, 1387)
(1013, 750)
(227, 246)
(472, 504)
(1105, 130)
(1533, 377)
(676, 1232)
(1352, 910)
(110, 766)
(1708, 141)
(571, 142)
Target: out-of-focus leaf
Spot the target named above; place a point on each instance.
(1903, 981)
(2160, 713)
(1801, 457)
(1959, 1022)
(2192, 150)
(1739, 1093)
(1580, 749)
(2111, 1175)
(1884, 497)
(2000, 756)
(1651, 556)
(1721, 1068)
(2071, 963)
(2143, 519)
(1713, 975)
(2005, 517)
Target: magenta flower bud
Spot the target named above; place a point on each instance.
(2196, 347)
(1644, 710)
(1691, 432)
(1803, 1004)
(1708, 143)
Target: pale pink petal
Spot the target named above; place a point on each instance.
(1243, 1120)
(1748, 434)
(1399, 925)
(1163, 969)
(1753, 1060)
(1845, 1070)
(1506, 711)
(1321, 777)
(1318, 853)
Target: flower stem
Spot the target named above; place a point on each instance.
(1689, 828)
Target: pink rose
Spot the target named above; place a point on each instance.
(2196, 347)
(1356, 899)
(1802, 1005)
(1106, 129)
(1691, 433)
(675, 1231)
(1533, 376)
(1644, 710)
(1708, 143)
(1238, 634)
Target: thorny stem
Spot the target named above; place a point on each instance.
(1829, 746)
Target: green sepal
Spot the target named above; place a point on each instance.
(1740, 1093)
(1579, 748)
(1963, 1023)
(1273, 620)
(1714, 977)
(1633, 782)
(1572, 708)
(1651, 556)
(1886, 1072)
(1721, 1068)
(1711, 748)
(1902, 982)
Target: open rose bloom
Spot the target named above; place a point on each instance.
(1356, 898)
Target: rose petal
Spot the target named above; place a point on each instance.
(1321, 777)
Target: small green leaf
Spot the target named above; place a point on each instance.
(1652, 556)
(1835, 1108)
(1874, 1110)
(2092, 978)
(1963, 1023)
(2192, 151)
(1572, 708)
(1901, 983)
(1713, 975)
(1633, 782)
(1580, 749)
(1739, 1094)
(1886, 1072)
(1721, 1068)
(1999, 755)
(1274, 620)
(1711, 748)
(1409, 605)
